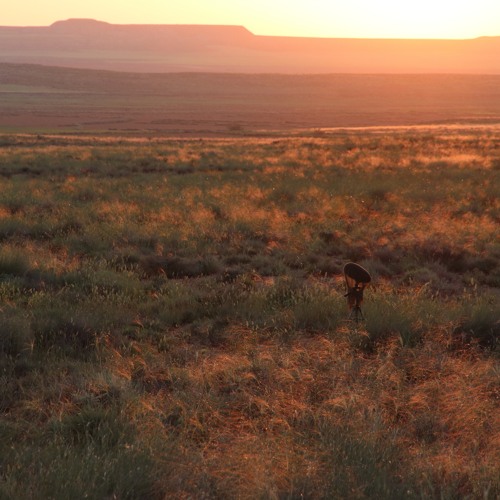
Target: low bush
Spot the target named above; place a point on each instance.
(317, 309)
(69, 330)
(358, 466)
(16, 335)
(55, 469)
(176, 267)
(479, 323)
(14, 263)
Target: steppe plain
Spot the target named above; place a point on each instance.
(173, 319)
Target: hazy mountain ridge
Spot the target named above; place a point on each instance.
(86, 43)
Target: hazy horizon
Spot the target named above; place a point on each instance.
(223, 25)
(366, 19)
(147, 48)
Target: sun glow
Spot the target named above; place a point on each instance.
(396, 19)
(423, 19)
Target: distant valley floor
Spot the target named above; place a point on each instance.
(41, 98)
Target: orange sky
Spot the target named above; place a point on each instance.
(312, 18)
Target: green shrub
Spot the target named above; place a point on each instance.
(318, 310)
(56, 470)
(15, 334)
(94, 426)
(179, 267)
(362, 466)
(175, 304)
(480, 322)
(386, 316)
(404, 315)
(13, 263)
(71, 331)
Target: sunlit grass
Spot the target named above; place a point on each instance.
(173, 319)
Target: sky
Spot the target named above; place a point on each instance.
(310, 18)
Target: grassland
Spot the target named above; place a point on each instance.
(173, 320)
(44, 99)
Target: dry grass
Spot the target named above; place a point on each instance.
(173, 319)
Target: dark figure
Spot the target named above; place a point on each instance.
(356, 279)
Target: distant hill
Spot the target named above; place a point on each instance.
(86, 43)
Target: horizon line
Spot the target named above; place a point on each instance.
(387, 38)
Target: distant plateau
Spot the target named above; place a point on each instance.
(91, 44)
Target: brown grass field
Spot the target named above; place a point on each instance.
(44, 99)
(174, 325)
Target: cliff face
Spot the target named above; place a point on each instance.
(85, 43)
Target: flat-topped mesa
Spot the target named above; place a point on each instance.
(78, 25)
(158, 48)
(224, 33)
